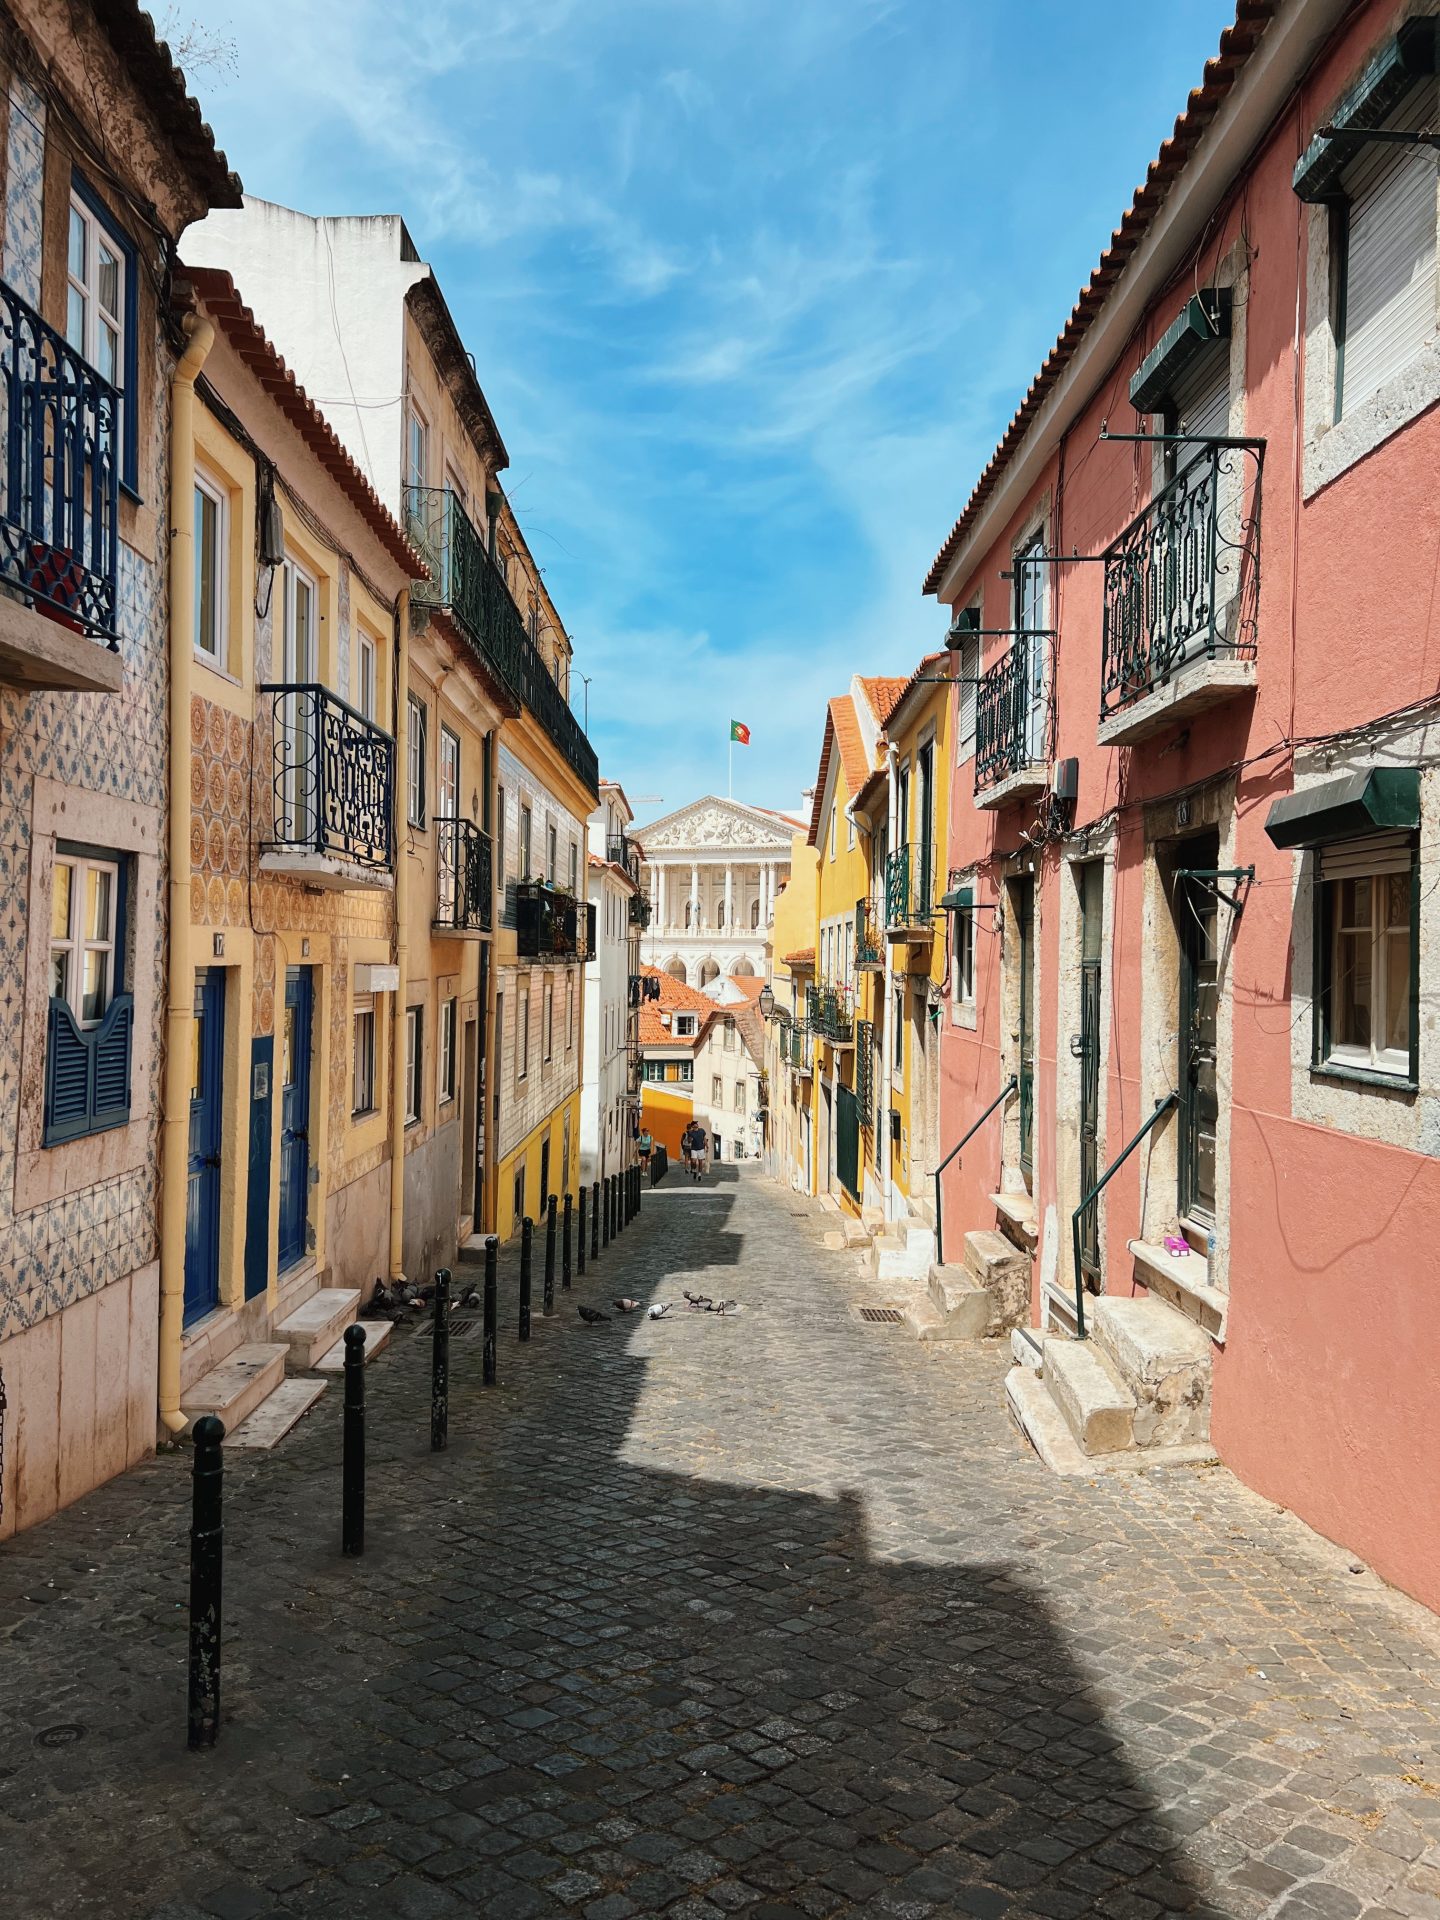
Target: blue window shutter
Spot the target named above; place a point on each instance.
(110, 1044)
(67, 1076)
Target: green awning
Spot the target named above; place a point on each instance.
(1204, 318)
(1410, 56)
(1375, 800)
(959, 899)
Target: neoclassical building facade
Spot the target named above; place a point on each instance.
(713, 870)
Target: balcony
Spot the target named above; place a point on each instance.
(59, 515)
(1014, 725)
(639, 910)
(463, 879)
(1182, 586)
(908, 874)
(797, 1049)
(869, 946)
(334, 776)
(550, 924)
(622, 851)
(466, 583)
(830, 1013)
(865, 1073)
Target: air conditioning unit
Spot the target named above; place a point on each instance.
(1065, 780)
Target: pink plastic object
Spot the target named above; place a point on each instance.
(1174, 1244)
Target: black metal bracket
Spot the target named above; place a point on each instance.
(1246, 441)
(1208, 877)
(1390, 136)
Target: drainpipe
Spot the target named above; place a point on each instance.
(892, 762)
(402, 942)
(180, 999)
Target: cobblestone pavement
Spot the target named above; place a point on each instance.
(769, 1615)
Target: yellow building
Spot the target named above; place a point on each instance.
(289, 610)
(909, 812)
(789, 1053)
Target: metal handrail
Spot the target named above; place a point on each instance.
(1162, 1106)
(1009, 1087)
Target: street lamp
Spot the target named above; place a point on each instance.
(767, 1001)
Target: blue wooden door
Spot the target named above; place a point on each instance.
(295, 1116)
(202, 1197)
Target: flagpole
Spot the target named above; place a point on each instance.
(730, 778)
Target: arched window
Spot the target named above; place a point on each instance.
(755, 911)
(676, 969)
(689, 910)
(720, 914)
(710, 971)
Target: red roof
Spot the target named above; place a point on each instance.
(1237, 44)
(801, 961)
(253, 347)
(842, 729)
(675, 997)
(882, 692)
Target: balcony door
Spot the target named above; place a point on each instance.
(925, 831)
(1024, 896)
(447, 808)
(1030, 620)
(1092, 917)
(202, 1192)
(1195, 905)
(298, 715)
(295, 1116)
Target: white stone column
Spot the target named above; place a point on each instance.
(659, 911)
(729, 897)
(694, 896)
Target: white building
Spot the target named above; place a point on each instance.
(610, 1088)
(713, 870)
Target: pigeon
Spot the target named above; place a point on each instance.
(728, 1306)
(695, 1299)
(592, 1317)
(624, 1306)
(659, 1313)
(471, 1299)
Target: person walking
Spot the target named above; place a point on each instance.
(693, 1141)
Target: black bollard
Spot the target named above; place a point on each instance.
(440, 1366)
(550, 1224)
(352, 1464)
(207, 1535)
(492, 1308)
(580, 1262)
(607, 1193)
(565, 1246)
(595, 1221)
(527, 1237)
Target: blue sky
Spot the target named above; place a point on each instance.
(753, 287)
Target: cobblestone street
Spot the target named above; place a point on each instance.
(771, 1614)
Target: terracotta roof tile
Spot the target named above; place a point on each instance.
(1237, 44)
(882, 691)
(675, 997)
(801, 961)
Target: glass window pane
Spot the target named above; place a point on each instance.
(75, 319)
(1355, 903)
(60, 974)
(107, 354)
(207, 561)
(93, 997)
(79, 236)
(1352, 993)
(107, 280)
(98, 894)
(60, 903)
(1397, 900)
(1397, 991)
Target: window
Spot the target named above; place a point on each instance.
(569, 1012)
(687, 1070)
(551, 854)
(969, 621)
(500, 833)
(414, 1058)
(365, 681)
(211, 534)
(522, 1038)
(90, 1016)
(1384, 246)
(755, 912)
(833, 811)
(527, 840)
(549, 1020)
(962, 959)
(684, 1025)
(717, 1091)
(574, 867)
(1030, 601)
(729, 1036)
(417, 449)
(1367, 951)
(362, 1078)
(100, 309)
(445, 1069)
(849, 830)
(416, 733)
(739, 1096)
(897, 1041)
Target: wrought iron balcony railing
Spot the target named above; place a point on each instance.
(830, 1012)
(59, 518)
(797, 1049)
(907, 886)
(622, 851)
(549, 923)
(865, 1072)
(464, 879)
(334, 778)
(1182, 582)
(466, 581)
(869, 948)
(1014, 713)
(639, 910)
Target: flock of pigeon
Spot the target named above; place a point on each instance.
(695, 1303)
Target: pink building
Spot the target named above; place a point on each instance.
(1201, 828)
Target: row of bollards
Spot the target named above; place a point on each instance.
(614, 1203)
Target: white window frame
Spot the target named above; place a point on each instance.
(93, 311)
(897, 1038)
(76, 943)
(522, 1034)
(552, 852)
(445, 1060)
(962, 960)
(684, 1026)
(364, 1052)
(569, 1012)
(211, 490)
(367, 675)
(717, 1090)
(549, 1028)
(414, 1061)
(1389, 1062)
(417, 429)
(527, 841)
(416, 730)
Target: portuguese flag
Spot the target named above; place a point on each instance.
(739, 731)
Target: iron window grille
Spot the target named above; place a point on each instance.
(334, 774)
(1014, 712)
(464, 878)
(908, 879)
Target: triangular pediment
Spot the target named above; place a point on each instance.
(720, 826)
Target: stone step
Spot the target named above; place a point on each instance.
(894, 1260)
(853, 1232)
(236, 1387)
(377, 1338)
(1027, 1348)
(1004, 1271)
(926, 1322)
(1043, 1425)
(315, 1327)
(278, 1413)
(1098, 1407)
(471, 1251)
(873, 1220)
(1017, 1210)
(961, 1302)
(1164, 1359)
(1183, 1281)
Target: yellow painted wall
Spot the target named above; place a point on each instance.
(551, 1128)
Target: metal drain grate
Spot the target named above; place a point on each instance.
(460, 1325)
(881, 1316)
